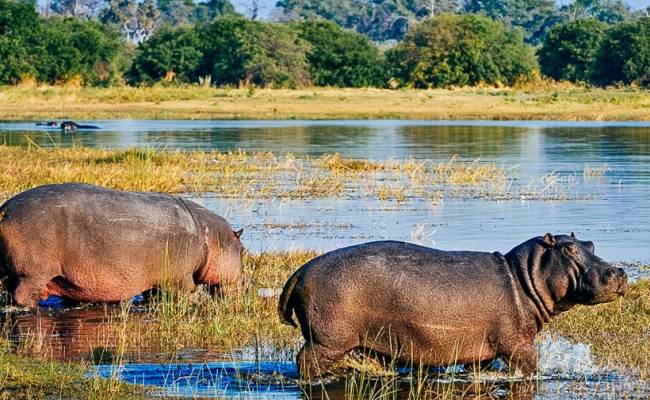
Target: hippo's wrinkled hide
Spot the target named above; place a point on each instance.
(93, 244)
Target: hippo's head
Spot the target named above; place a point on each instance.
(558, 272)
(575, 275)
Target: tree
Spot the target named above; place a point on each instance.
(240, 51)
(569, 49)
(20, 40)
(340, 58)
(136, 20)
(168, 53)
(79, 48)
(533, 16)
(377, 19)
(624, 55)
(461, 50)
(609, 11)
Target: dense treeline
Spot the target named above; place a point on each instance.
(221, 48)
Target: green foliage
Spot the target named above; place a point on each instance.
(170, 52)
(377, 19)
(624, 55)
(461, 50)
(74, 47)
(569, 49)
(533, 16)
(340, 58)
(20, 28)
(55, 49)
(239, 51)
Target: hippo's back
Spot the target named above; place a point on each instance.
(404, 279)
(67, 203)
(99, 239)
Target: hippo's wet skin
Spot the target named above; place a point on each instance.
(93, 244)
(418, 305)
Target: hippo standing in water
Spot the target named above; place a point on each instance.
(88, 243)
(418, 305)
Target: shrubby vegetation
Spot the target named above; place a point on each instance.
(55, 49)
(149, 41)
(461, 50)
(340, 58)
(590, 51)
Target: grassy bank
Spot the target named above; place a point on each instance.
(540, 101)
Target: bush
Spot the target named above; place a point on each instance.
(79, 48)
(624, 55)
(340, 58)
(20, 37)
(239, 51)
(461, 50)
(169, 53)
(569, 49)
(56, 49)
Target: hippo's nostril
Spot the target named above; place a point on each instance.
(621, 273)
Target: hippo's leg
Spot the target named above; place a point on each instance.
(523, 357)
(314, 360)
(29, 290)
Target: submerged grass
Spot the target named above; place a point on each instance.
(254, 175)
(535, 101)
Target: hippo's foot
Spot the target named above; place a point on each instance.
(524, 359)
(28, 292)
(314, 360)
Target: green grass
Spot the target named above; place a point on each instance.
(29, 378)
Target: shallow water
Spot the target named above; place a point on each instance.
(613, 210)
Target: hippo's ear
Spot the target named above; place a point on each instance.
(573, 235)
(238, 233)
(549, 240)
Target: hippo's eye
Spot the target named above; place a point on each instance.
(608, 275)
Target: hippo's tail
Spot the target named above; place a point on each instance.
(285, 304)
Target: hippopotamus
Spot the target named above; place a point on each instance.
(415, 305)
(91, 244)
(71, 126)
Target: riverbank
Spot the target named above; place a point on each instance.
(542, 101)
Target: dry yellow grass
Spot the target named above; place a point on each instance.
(536, 101)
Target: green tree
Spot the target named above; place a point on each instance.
(533, 16)
(461, 50)
(20, 40)
(168, 53)
(569, 49)
(609, 11)
(340, 58)
(377, 19)
(236, 50)
(624, 55)
(81, 48)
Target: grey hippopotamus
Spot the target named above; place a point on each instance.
(92, 244)
(421, 306)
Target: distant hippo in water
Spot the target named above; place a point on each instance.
(92, 244)
(418, 305)
(67, 126)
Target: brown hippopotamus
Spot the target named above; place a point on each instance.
(92, 244)
(423, 306)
